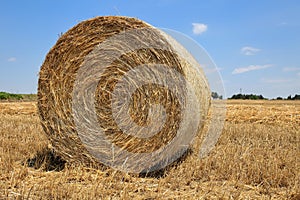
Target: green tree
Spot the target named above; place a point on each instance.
(247, 96)
(6, 96)
(215, 95)
(296, 97)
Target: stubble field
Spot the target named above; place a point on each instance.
(256, 157)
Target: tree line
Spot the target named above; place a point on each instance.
(215, 95)
(296, 97)
(5, 96)
(247, 96)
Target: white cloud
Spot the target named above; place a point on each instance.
(283, 24)
(249, 68)
(199, 28)
(276, 80)
(211, 69)
(249, 51)
(291, 69)
(12, 59)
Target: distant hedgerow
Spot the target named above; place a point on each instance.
(7, 96)
(247, 96)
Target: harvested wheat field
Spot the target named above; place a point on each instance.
(256, 157)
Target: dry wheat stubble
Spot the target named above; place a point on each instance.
(251, 161)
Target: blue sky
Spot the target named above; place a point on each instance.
(255, 44)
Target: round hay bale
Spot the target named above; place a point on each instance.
(117, 91)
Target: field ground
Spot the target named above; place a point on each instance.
(257, 157)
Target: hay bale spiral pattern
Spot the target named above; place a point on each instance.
(116, 91)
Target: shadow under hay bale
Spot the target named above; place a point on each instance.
(46, 160)
(161, 173)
